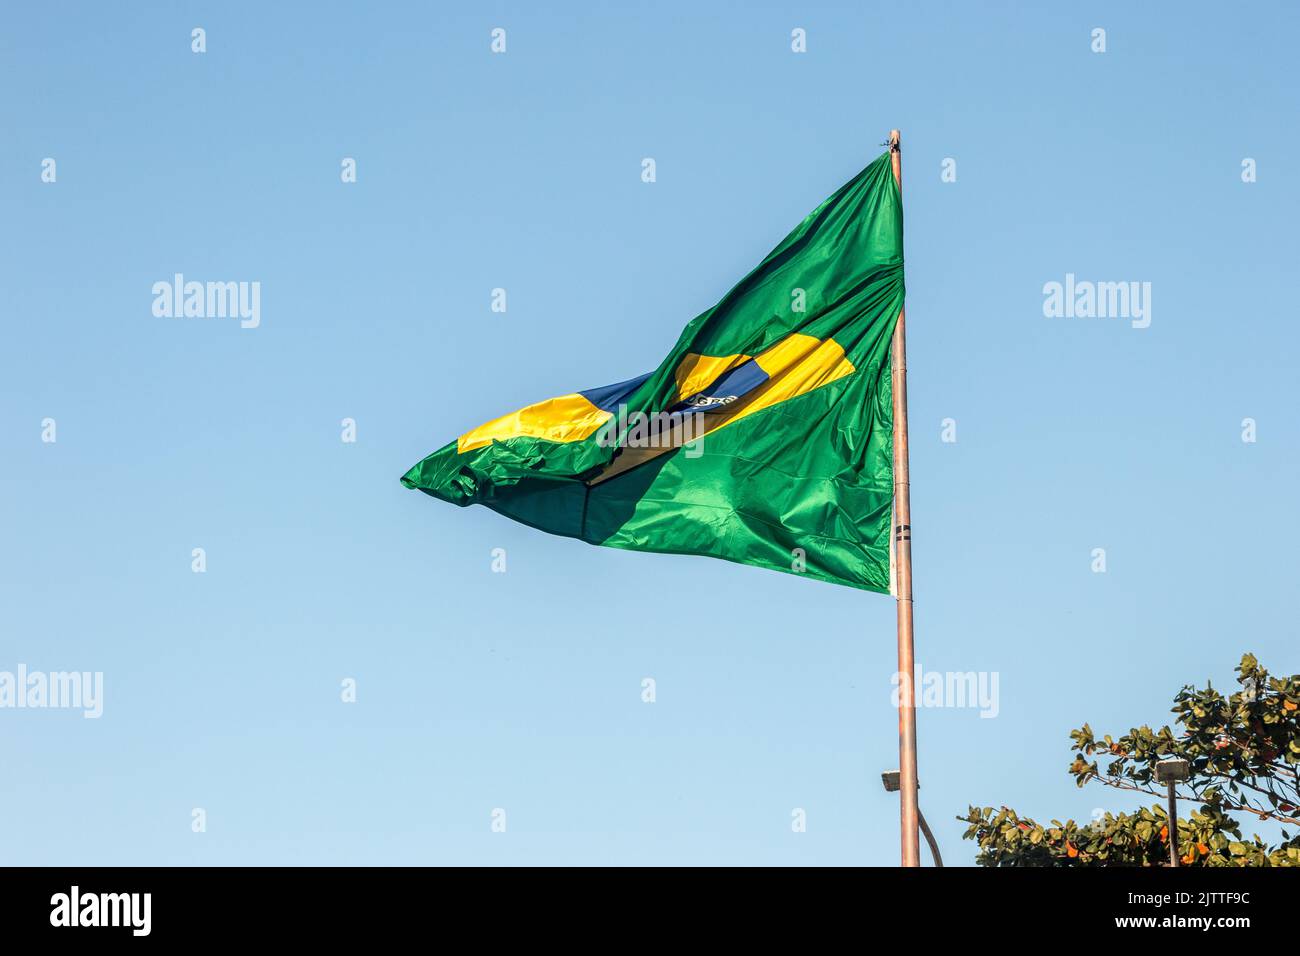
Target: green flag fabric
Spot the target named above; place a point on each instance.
(764, 437)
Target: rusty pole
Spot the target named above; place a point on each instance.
(911, 843)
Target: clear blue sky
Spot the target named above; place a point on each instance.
(522, 690)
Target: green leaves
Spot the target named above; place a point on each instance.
(1241, 749)
(1248, 667)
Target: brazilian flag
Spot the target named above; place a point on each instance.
(764, 437)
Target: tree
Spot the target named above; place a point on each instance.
(1244, 751)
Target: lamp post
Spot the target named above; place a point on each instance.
(893, 782)
(1171, 772)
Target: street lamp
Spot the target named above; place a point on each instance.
(1172, 772)
(892, 780)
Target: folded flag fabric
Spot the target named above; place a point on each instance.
(764, 437)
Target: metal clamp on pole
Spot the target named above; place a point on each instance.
(891, 780)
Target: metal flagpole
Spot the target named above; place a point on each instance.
(903, 563)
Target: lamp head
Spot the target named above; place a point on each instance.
(1173, 770)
